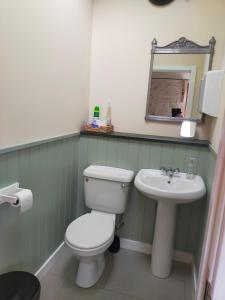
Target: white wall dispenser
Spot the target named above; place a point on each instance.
(211, 90)
(17, 197)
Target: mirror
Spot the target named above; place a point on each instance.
(175, 80)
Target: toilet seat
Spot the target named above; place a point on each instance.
(90, 231)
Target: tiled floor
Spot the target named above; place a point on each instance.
(126, 277)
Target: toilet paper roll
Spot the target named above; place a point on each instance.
(25, 200)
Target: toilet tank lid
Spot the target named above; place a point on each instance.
(109, 173)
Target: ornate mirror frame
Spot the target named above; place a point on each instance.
(181, 46)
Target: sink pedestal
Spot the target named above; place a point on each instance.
(178, 190)
(162, 252)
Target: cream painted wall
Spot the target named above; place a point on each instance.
(121, 43)
(45, 67)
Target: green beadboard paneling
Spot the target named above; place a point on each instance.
(53, 170)
(50, 171)
(207, 162)
(140, 212)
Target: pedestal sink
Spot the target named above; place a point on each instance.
(168, 192)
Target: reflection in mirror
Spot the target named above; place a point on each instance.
(175, 83)
(188, 129)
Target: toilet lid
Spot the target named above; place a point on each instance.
(90, 231)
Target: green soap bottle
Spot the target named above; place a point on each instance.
(97, 112)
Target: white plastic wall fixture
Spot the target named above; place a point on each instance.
(188, 129)
(211, 92)
(7, 194)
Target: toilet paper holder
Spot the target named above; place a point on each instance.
(7, 194)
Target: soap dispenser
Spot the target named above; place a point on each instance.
(108, 114)
(190, 168)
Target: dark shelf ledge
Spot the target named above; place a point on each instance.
(151, 138)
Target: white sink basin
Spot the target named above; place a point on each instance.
(168, 192)
(178, 190)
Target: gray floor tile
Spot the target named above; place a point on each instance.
(127, 276)
(89, 294)
(189, 291)
(50, 286)
(131, 260)
(131, 276)
(168, 289)
(181, 271)
(66, 265)
(145, 286)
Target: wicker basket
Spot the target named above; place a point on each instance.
(102, 129)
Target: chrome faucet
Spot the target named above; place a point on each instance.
(164, 170)
(170, 171)
(176, 171)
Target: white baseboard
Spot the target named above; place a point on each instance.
(184, 257)
(48, 263)
(136, 246)
(179, 256)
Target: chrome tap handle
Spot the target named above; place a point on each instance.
(170, 172)
(176, 171)
(163, 170)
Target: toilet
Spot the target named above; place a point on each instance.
(89, 236)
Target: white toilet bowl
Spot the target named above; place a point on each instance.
(89, 237)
